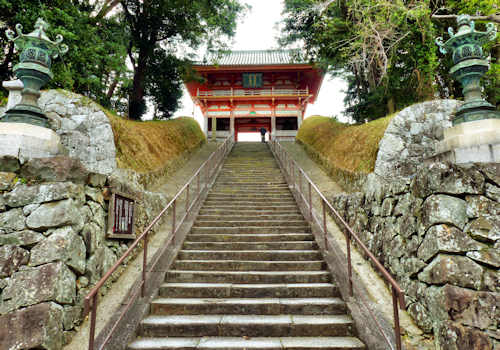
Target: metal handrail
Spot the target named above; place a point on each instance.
(207, 169)
(289, 166)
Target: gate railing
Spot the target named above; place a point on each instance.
(192, 191)
(297, 178)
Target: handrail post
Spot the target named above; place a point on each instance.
(325, 232)
(310, 202)
(397, 328)
(92, 321)
(173, 218)
(144, 265)
(187, 198)
(349, 262)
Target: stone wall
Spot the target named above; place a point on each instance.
(53, 224)
(53, 246)
(436, 228)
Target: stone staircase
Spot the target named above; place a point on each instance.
(249, 275)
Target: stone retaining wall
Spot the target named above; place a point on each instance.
(438, 233)
(53, 246)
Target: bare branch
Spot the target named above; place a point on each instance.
(493, 17)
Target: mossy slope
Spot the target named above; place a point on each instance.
(347, 152)
(152, 145)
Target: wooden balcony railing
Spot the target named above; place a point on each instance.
(254, 92)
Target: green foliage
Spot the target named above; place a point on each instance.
(384, 48)
(97, 49)
(157, 29)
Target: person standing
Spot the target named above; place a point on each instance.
(263, 134)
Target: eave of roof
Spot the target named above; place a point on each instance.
(253, 58)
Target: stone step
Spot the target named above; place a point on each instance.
(251, 223)
(262, 255)
(256, 195)
(260, 216)
(280, 237)
(242, 245)
(248, 265)
(248, 209)
(251, 183)
(251, 229)
(232, 190)
(254, 290)
(247, 277)
(250, 201)
(252, 306)
(247, 343)
(247, 325)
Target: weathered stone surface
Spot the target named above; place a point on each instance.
(84, 130)
(2, 203)
(62, 245)
(446, 178)
(488, 256)
(6, 180)
(444, 209)
(57, 169)
(484, 229)
(453, 336)
(445, 239)
(491, 171)
(54, 214)
(94, 237)
(12, 220)
(411, 137)
(71, 316)
(24, 238)
(480, 205)
(50, 282)
(97, 180)
(493, 192)
(388, 206)
(99, 263)
(98, 214)
(421, 316)
(30, 208)
(9, 164)
(94, 194)
(492, 280)
(11, 257)
(471, 308)
(457, 270)
(23, 195)
(35, 327)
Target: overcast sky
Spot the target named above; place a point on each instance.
(258, 31)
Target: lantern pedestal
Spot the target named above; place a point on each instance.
(27, 141)
(471, 142)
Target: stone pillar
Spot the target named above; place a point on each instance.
(231, 125)
(299, 118)
(214, 129)
(14, 87)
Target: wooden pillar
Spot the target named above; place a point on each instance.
(214, 129)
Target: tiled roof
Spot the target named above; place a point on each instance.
(253, 57)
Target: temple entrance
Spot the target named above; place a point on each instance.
(251, 125)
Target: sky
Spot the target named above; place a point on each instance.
(258, 31)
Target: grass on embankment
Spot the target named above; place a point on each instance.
(152, 145)
(347, 152)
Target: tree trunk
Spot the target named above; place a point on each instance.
(113, 86)
(136, 103)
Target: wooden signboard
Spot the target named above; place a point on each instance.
(121, 216)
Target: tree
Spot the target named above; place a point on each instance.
(96, 59)
(162, 25)
(385, 49)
